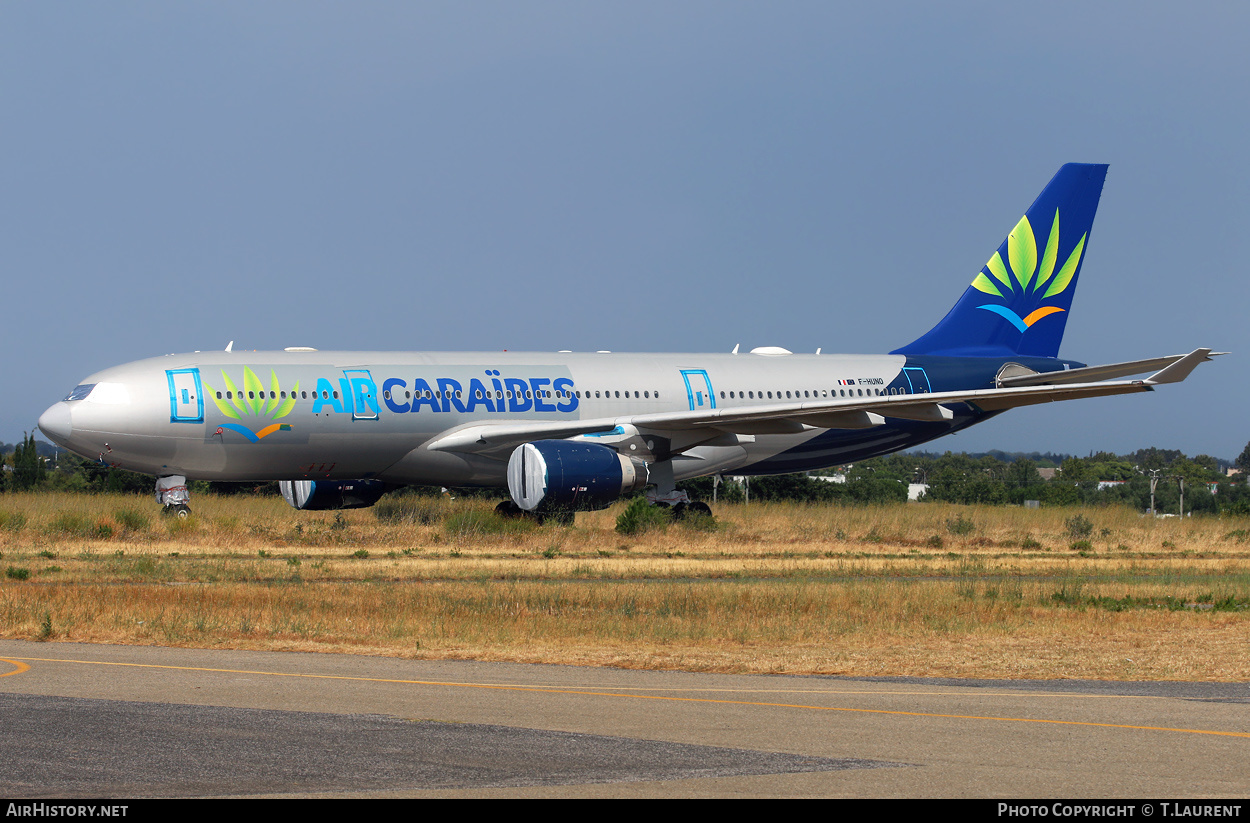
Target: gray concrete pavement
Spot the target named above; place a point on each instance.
(144, 721)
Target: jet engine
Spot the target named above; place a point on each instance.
(322, 495)
(555, 475)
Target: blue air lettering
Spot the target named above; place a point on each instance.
(325, 396)
(364, 393)
(564, 384)
(449, 399)
(478, 396)
(539, 393)
(518, 402)
(423, 395)
(389, 395)
(494, 394)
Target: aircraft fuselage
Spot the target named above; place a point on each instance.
(282, 415)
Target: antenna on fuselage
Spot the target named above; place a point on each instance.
(230, 345)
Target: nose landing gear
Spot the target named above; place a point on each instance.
(172, 493)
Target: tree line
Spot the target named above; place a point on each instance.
(995, 478)
(998, 478)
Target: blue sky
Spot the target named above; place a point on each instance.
(677, 176)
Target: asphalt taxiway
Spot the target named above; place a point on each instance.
(124, 721)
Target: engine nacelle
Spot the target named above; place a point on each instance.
(551, 475)
(323, 495)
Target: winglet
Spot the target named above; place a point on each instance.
(1179, 370)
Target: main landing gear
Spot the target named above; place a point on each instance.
(679, 503)
(696, 509)
(509, 509)
(172, 493)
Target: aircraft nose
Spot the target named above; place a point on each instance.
(57, 423)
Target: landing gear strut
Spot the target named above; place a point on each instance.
(172, 493)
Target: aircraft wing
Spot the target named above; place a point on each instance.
(795, 418)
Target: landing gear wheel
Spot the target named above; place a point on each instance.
(509, 509)
(679, 511)
(700, 508)
(181, 511)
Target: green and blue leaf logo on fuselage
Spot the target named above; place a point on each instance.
(253, 402)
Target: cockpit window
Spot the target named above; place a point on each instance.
(81, 391)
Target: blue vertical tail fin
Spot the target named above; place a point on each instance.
(1018, 304)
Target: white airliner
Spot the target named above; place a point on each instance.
(565, 432)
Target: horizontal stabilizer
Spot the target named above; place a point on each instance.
(1107, 372)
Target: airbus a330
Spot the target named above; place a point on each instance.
(564, 432)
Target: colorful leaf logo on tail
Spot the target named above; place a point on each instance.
(254, 402)
(1023, 279)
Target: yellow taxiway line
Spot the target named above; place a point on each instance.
(620, 693)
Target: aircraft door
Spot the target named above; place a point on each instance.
(186, 399)
(698, 389)
(918, 379)
(364, 394)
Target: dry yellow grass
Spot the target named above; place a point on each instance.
(921, 589)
